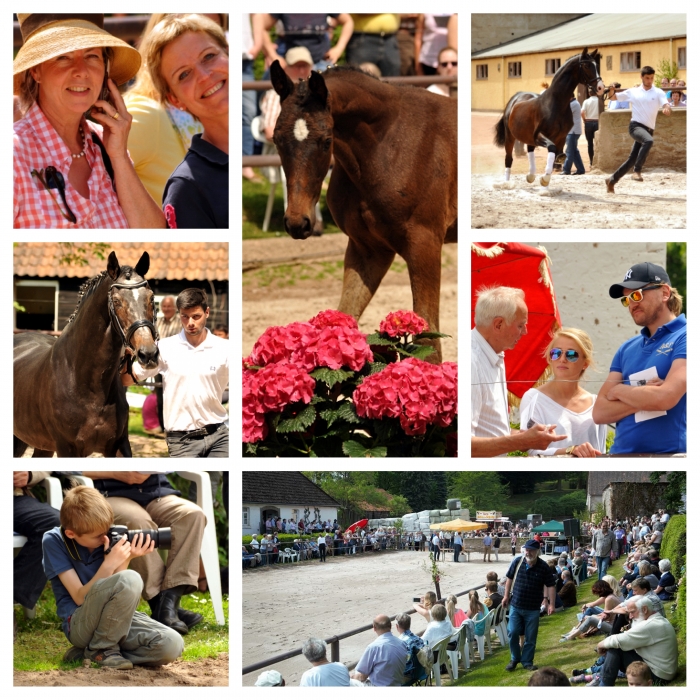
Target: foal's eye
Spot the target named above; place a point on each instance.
(327, 144)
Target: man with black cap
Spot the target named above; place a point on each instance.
(527, 576)
(650, 411)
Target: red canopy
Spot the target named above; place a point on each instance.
(520, 265)
(357, 525)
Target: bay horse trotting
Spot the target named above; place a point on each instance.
(68, 393)
(393, 189)
(546, 119)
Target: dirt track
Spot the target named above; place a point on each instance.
(206, 672)
(278, 290)
(574, 201)
(140, 447)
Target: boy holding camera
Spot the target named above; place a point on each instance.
(96, 595)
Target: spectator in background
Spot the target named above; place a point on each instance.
(413, 642)
(252, 44)
(667, 582)
(567, 592)
(493, 597)
(384, 660)
(221, 330)
(573, 156)
(374, 40)
(167, 324)
(310, 31)
(30, 518)
(488, 542)
(322, 671)
(548, 676)
(589, 113)
(617, 104)
(447, 65)
(677, 99)
(602, 544)
(638, 674)
(430, 38)
(439, 627)
(196, 194)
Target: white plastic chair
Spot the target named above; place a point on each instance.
(283, 556)
(484, 639)
(292, 554)
(210, 547)
(441, 647)
(461, 650)
(54, 497)
(499, 624)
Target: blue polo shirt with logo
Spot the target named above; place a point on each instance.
(666, 433)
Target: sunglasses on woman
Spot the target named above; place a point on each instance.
(444, 64)
(637, 295)
(570, 355)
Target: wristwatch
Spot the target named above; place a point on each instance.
(570, 450)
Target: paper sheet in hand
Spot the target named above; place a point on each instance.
(640, 379)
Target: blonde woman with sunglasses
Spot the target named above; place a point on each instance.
(563, 402)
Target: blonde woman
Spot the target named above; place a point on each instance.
(425, 606)
(457, 616)
(477, 612)
(563, 402)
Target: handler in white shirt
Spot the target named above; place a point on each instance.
(501, 320)
(646, 100)
(194, 366)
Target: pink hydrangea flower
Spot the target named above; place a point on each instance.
(416, 392)
(338, 347)
(400, 323)
(332, 318)
(284, 343)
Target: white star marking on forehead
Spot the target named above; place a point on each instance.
(301, 131)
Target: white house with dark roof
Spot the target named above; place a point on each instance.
(287, 495)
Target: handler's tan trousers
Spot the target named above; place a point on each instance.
(187, 521)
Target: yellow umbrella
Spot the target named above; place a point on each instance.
(458, 525)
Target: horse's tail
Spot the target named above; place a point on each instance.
(500, 138)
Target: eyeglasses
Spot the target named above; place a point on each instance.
(52, 179)
(637, 295)
(444, 64)
(570, 355)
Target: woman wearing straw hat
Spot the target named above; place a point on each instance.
(70, 172)
(187, 57)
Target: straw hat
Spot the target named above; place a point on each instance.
(46, 36)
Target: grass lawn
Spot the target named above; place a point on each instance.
(579, 653)
(254, 202)
(40, 643)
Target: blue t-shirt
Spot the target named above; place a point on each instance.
(58, 559)
(666, 433)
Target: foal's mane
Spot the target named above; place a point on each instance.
(88, 287)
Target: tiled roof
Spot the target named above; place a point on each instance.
(283, 488)
(597, 481)
(169, 261)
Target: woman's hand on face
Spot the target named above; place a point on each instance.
(116, 131)
(585, 449)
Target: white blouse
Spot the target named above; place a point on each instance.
(578, 427)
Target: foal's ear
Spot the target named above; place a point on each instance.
(143, 264)
(317, 86)
(584, 52)
(281, 82)
(113, 265)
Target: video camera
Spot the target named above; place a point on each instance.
(161, 536)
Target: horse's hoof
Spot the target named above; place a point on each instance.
(544, 180)
(530, 178)
(561, 157)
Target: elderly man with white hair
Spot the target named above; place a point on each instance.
(322, 671)
(651, 640)
(500, 321)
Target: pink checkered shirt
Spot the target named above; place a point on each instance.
(36, 145)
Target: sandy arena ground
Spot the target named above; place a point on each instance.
(206, 672)
(344, 593)
(140, 447)
(575, 201)
(300, 289)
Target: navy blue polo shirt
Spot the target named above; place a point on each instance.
(666, 433)
(528, 590)
(196, 194)
(57, 559)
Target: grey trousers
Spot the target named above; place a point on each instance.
(214, 445)
(108, 619)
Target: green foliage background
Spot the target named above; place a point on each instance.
(676, 263)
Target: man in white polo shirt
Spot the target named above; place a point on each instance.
(194, 366)
(646, 101)
(501, 320)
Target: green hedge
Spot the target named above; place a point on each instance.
(673, 544)
(680, 610)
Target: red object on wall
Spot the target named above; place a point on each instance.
(526, 267)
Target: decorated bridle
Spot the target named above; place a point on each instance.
(592, 81)
(141, 323)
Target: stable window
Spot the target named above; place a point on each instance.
(630, 61)
(40, 302)
(246, 517)
(482, 71)
(515, 69)
(552, 65)
(681, 56)
(608, 62)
